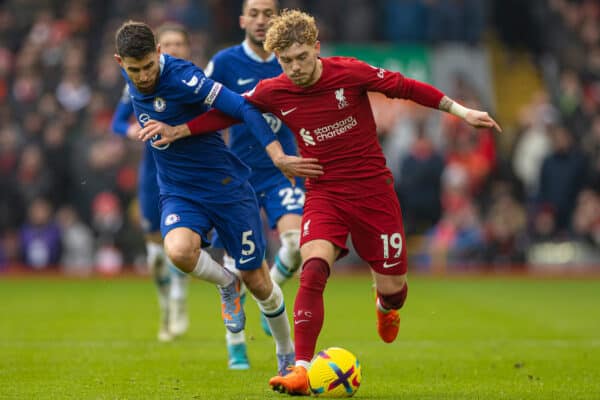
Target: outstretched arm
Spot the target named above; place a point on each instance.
(430, 96)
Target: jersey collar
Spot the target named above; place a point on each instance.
(250, 53)
(161, 63)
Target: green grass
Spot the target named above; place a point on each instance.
(460, 339)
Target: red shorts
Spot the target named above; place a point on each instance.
(375, 224)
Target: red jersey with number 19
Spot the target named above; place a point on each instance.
(333, 121)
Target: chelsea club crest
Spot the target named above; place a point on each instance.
(160, 104)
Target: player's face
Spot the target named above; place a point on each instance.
(255, 19)
(300, 62)
(174, 44)
(142, 72)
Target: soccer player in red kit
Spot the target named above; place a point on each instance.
(324, 102)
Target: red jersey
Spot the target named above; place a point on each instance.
(333, 121)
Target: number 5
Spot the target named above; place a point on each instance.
(247, 242)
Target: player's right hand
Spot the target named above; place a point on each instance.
(167, 133)
(292, 166)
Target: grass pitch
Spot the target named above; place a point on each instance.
(502, 338)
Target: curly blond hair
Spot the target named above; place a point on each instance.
(289, 27)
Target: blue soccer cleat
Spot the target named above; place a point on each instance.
(284, 361)
(232, 311)
(238, 357)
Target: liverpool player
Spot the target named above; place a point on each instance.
(324, 102)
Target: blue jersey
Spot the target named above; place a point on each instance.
(197, 167)
(240, 69)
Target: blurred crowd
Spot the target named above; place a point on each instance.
(68, 185)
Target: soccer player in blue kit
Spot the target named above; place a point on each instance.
(240, 68)
(171, 283)
(203, 184)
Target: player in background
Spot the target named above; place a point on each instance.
(203, 185)
(240, 68)
(324, 102)
(171, 283)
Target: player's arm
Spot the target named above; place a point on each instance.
(394, 84)
(120, 123)
(239, 109)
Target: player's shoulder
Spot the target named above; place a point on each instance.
(228, 53)
(344, 62)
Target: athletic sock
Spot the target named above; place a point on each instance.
(273, 308)
(309, 309)
(209, 270)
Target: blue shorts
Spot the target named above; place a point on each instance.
(148, 193)
(282, 199)
(237, 223)
(277, 201)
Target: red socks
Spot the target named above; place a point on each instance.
(393, 301)
(308, 307)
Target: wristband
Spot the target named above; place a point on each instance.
(458, 110)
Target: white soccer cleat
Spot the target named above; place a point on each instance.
(178, 317)
(163, 334)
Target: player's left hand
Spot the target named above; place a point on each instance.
(481, 119)
(167, 133)
(292, 166)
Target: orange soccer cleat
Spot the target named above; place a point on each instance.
(295, 383)
(388, 325)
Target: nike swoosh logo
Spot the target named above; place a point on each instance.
(301, 321)
(386, 265)
(242, 82)
(245, 260)
(284, 113)
(294, 207)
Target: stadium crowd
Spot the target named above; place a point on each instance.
(68, 184)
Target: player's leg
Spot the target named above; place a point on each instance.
(287, 259)
(158, 262)
(182, 224)
(378, 237)
(324, 234)
(283, 205)
(159, 269)
(240, 228)
(237, 352)
(309, 311)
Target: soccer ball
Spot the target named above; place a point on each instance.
(334, 372)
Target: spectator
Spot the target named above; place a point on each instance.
(40, 236)
(562, 177)
(419, 189)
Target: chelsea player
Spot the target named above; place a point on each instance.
(240, 68)
(171, 284)
(203, 184)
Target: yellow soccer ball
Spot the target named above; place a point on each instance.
(334, 372)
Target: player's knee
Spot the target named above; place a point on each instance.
(289, 253)
(394, 301)
(290, 240)
(315, 272)
(258, 283)
(182, 255)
